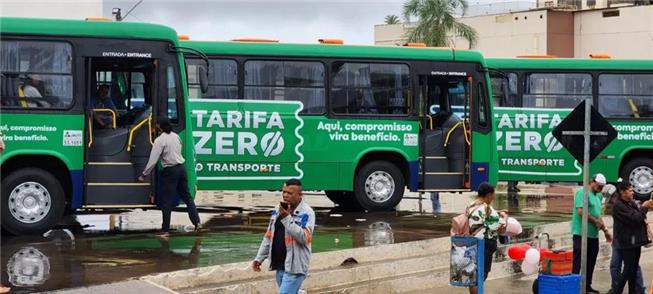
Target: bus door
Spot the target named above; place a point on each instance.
(120, 97)
(444, 143)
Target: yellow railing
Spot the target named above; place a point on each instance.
(109, 110)
(148, 120)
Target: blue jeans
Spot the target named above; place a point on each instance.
(616, 263)
(289, 283)
(435, 202)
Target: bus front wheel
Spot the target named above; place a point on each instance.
(379, 185)
(639, 173)
(32, 201)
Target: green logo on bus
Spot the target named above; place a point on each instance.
(247, 140)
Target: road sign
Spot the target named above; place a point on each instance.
(570, 132)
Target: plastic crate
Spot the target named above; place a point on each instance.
(567, 284)
(556, 262)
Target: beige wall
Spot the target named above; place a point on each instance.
(501, 35)
(629, 35)
(75, 9)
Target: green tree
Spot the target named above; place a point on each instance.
(391, 19)
(436, 18)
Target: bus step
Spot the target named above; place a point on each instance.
(436, 164)
(110, 172)
(443, 180)
(117, 193)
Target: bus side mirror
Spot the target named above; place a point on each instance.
(204, 79)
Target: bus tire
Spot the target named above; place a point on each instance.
(639, 173)
(379, 186)
(344, 199)
(33, 201)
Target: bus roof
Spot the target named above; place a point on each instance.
(83, 28)
(342, 51)
(569, 64)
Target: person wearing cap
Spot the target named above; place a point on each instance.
(167, 147)
(594, 225)
(30, 89)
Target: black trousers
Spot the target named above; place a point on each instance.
(629, 274)
(175, 181)
(592, 253)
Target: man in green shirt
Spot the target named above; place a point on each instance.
(594, 224)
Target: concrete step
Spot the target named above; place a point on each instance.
(328, 278)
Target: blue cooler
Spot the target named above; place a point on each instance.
(567, 284)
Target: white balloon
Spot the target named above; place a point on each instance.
(529, 268)
(532, 256)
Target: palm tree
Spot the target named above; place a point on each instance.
(391, 19)
(436, 18)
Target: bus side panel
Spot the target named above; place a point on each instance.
(527, 149)
(60, 136)
(256, 145)
(632, 135)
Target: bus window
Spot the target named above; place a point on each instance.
(556, 90)
(482, 106)
(626, 95)
(223, 79)
(504, 91)
(287, 80)
(364, 88)
(172, 107)
(36, 74)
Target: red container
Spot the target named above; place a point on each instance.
(557, 262)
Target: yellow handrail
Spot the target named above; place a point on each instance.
(90, 132)
(430, 121)
(109, 110)
(138, 126)
(633, 108)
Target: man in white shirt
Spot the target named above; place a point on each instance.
(173, 177)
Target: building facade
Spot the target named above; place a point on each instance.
(622, 32)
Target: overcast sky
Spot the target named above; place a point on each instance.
(291, 21)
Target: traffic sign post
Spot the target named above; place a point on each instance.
(597, 134)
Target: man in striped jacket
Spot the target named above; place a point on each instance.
(288, 239)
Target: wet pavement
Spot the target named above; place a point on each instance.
(98, 247)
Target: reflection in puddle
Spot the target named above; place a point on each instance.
(28, 267)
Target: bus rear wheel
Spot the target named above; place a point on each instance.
(379, 186)
(32, 201)
(639, 173)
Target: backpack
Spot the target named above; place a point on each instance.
(460, 223)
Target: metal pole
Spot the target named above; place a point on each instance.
(586, 170)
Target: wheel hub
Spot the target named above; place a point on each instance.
(641, 178)
(379, 186)
(29, 202)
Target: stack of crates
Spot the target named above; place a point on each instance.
(555, 273)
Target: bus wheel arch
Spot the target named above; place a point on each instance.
(386, 171)
(43, 184)
(637, 168)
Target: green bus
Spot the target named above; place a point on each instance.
(56, 158)
(355, 121)
(537, 93)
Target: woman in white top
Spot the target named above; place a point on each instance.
(486, 223)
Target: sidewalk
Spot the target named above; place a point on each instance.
(521, 285)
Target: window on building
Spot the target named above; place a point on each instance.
(626, 95)
(371, 88)
(36, 74)
(504, 90)
(287, 80)
(556, 90)
(223, 79)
